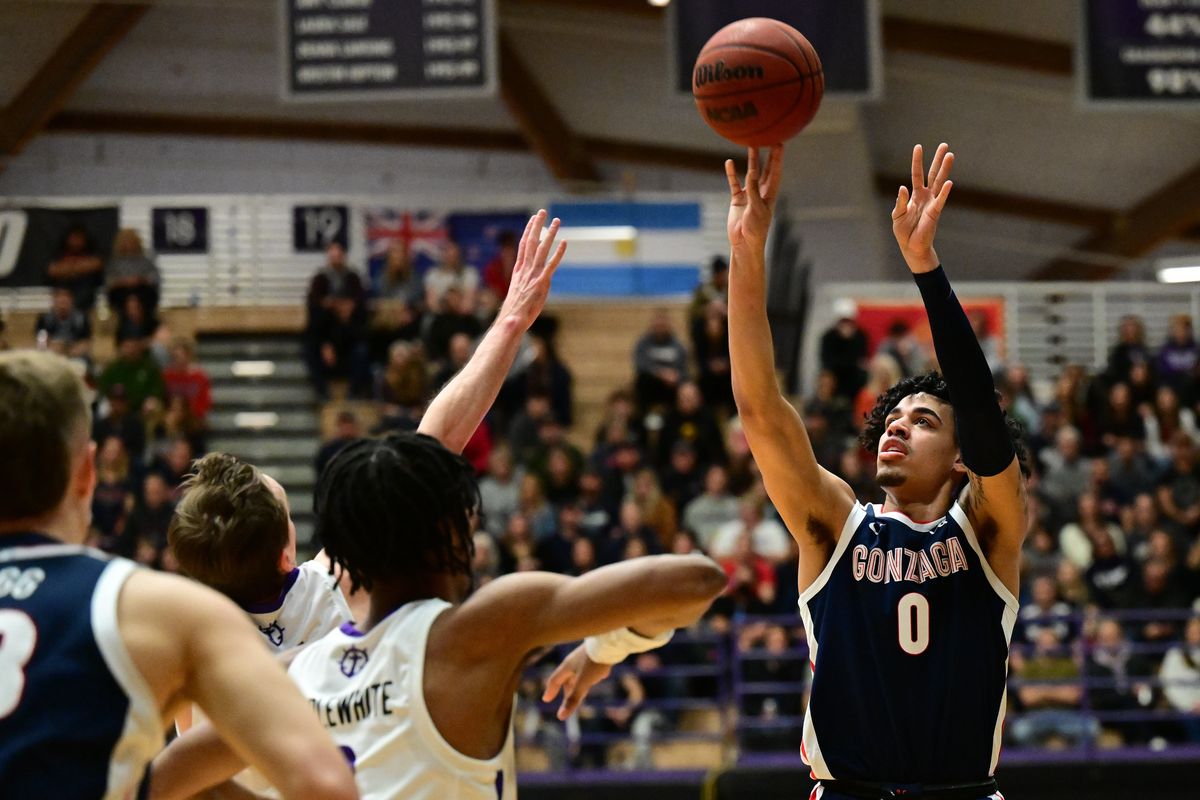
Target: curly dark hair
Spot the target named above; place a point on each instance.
(931, 383)
(396, 507)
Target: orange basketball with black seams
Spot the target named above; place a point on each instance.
(758, 82)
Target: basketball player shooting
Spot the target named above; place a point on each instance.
(908, 605)
(419, 694)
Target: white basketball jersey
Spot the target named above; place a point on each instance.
(309, 606)
(367, 689)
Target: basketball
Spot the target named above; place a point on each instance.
(758, 82)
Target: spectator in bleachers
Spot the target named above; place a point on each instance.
(451, 273)
(610, 548)
(713, 290)
(113, 499)
(610, 709)
(523, 430)
(1071, 584)
(555, 551)
(1111, 576)
(658, 512)
(78, 269)
(458, 353)
(987, 342)
(1044, 611)
(499, 490)
(1077, 538)
(620, 414)
(1143, 519)
(882, 374)
(713, 509)
(558, 469)
(902, 345)
(827, 443)
(710, 344)
(532, 505)
(1164, 418)
(1161, 588)
(173, 464)
(1130, 468)
(1179, 356)
(452, 315)
(1179, 484)
(136, 370)
(131, 271)
(768, 537)
(683, 479)
(854, 471)
(1118, 680)
(660, 362)
(826, 401)
(334, 281)
(843, 350)
(547, 374)
(145, 535)
(346, 430)
(183, 377)
(65, 324)
(583, 556)
(1129, 350)
(341, 340)
(1119, 418)
(691, 420)
(1067, 474)
(1180, 676)
(497, 273)
(1049, 694)
(1142, 383)
(175, 421)
(1039, 555)
(598, 515)
(134, 322)
(399, 281)
(1019, 396)
(123, 422)
(485, 562)
(751, 587)
(778, 666)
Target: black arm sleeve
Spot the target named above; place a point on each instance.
(983, 435)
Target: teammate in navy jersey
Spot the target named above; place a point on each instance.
(96, 654)
(908, 605)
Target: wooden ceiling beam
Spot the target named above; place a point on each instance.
(69, 65)
(544, 128)
(283, 130)
(1167, 213)
(1014, 205)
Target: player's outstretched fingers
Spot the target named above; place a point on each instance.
(735, 185)
(918, 168)
(556, 681)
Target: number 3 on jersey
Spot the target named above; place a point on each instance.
(18, 635)
(913, 623)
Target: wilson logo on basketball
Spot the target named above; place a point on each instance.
(717, 72)
(732, 113)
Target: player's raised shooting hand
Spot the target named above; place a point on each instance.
(537, 258)
(575, 676)
(751, 205)
(915, 217)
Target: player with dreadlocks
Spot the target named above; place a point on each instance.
(419, 694)
(908, 605)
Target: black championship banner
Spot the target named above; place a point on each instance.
(31, 238)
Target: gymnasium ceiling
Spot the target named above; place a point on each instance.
(1062, 191)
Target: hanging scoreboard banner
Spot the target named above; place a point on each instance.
(1140, 52)
(180, 230)
(314, 228)
(845, 34)
(372, 49)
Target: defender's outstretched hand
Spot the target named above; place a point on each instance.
(534, 267)
(751, 206)
(574, 677)
(915, 217)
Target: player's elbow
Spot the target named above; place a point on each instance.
(703, 579)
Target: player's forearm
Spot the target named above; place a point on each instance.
(650, 595)
(751, 350)
(194, 762)
(982, 431)
(458, 409)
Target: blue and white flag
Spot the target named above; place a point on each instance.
(629, 249)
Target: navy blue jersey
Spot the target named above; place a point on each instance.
(76, 718)
(908, 628)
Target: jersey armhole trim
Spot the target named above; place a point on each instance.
(857, 513)
(142, 722)
(960, 516)
(428, 729)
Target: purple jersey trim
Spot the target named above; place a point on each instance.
(277, 603)
(349, 629)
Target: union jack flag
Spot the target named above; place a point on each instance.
(424, 232)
